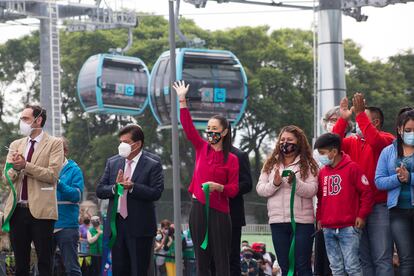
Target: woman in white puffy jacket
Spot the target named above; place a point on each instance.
(292, 152)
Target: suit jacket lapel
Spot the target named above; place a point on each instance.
(139, 168)
(22, 147)
(121, 166)
(40, 147)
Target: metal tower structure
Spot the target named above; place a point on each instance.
(79, 17)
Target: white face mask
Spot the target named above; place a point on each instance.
(329, 127)
(26, 129)
(125, 149)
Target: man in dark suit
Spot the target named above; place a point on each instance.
(237, 209)
(143, 182)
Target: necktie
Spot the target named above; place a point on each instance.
(123, 210)
(28, 159)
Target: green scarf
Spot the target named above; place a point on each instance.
(6, 224)
(206, 190)
(119, 190)
(291, 271)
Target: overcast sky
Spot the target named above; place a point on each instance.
(389, 30)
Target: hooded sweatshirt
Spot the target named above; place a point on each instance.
(365, 150)
(344, 194)
(69, 195)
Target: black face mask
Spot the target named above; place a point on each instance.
(213, 137)
(247, 256)
(287, 148)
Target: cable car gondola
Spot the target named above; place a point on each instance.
(113, 84)
(218, 85)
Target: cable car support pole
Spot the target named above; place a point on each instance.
(175, 149)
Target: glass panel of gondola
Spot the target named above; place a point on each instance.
(217, 85)
(87, 83)
(124, 84)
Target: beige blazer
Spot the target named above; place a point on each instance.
(42, 174)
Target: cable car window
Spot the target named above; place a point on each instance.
(87, 83)
(123, 84)
(216, 86)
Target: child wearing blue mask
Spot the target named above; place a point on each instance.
(395, 175)
(345, 199)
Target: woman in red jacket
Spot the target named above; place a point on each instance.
(216, 167)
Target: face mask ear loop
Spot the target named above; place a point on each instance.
(37, 117)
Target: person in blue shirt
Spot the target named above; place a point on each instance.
(395, 173)
(69, 195)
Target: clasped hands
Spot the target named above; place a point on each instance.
(358, 106)
(402, 173)
(124, 181)
(18, 161)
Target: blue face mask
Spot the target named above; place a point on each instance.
(324, 160)
(408, 138)
(358, 130)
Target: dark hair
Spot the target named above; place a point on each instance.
(378, 112)
(136, 132)
(226, 139)
(38, 112)
(404, 115)
(328, 141)
(165, 223)
(306, 162)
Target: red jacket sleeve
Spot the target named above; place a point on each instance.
(340, 129)
(231, 188)
(372, 135)
(189, 129)
(366, 194)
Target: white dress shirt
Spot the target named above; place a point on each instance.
(38, 138)
(133, 166)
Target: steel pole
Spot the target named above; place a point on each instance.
(331, 65)
(175, 149)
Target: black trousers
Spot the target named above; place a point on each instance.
(219, 242)
(235, 269)
(321, 264)
(24, 229)
(131, 256)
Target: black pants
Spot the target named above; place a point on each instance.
(96, 266)
(219, 242)
(402, 229)
(321, 264)
(235, 269)
(130, 255)
(24, 229)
